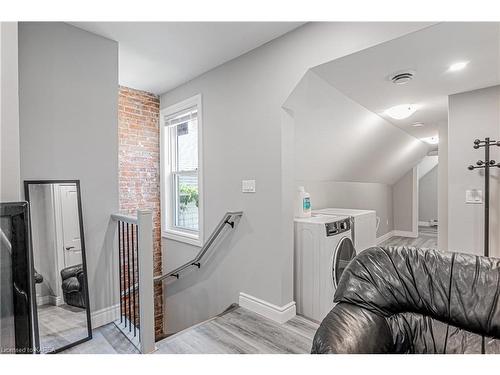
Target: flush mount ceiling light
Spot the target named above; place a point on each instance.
(417, 124)
(431, 140)
(401, 111)
(457, 66)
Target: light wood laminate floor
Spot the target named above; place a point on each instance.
(105, 340)
(61, 325)
(241, 331)
(238, 331)
(427, 239)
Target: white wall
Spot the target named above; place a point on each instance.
(10, 178)
(9, 165)
(357, 195)
(443, 187)
(244, 137)
(472, 115)
(428, 196)
(68, 81)
(405, 204)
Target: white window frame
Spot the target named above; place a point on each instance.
(167, 201)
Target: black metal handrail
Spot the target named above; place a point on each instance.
(228, 219)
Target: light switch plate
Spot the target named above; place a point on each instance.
(474, 196)
(248, 186)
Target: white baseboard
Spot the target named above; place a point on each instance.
(42, 300)
(49, 300)
(384, 237)
(279, 314)
(404, 233)
(105, 316)
(56, 301)
(395, 233)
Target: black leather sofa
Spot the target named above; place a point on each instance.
(407, 300)
(73, 284)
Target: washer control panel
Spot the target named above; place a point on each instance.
(337, 227)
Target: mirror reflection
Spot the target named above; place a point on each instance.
(58, 255)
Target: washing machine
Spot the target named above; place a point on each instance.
(323, 248)
(365, 225)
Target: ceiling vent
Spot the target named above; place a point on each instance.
(402, 78)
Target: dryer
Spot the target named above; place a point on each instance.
(364, 229)
(323, 249)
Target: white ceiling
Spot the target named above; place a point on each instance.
(363, 76)
(159, 56)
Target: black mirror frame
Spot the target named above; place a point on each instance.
(27, 183)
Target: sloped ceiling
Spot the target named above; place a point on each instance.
(364, 76)
(336, 139)
(427, 164)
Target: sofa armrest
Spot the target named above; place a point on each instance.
(81, 280)
(71, 285)
(350, 329)
(72, 271)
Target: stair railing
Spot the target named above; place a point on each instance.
(135, 253)
(228, 220)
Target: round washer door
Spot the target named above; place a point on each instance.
(343, 255)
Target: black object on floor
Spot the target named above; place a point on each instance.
(408, 300)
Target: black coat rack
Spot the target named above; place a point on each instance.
(486, 164)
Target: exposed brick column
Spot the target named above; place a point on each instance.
(139, 169)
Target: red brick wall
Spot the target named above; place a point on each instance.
(139, 173)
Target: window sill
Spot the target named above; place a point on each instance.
(184, 237)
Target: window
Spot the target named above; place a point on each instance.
(181, 184)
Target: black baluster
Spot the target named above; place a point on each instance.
(120, 268)
(128, 269)
(138, 280)
(133, 277)
(122, 297)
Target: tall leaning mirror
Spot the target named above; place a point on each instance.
(62, 301)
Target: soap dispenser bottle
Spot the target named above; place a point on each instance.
(303, 205)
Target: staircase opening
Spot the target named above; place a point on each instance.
(139, 173)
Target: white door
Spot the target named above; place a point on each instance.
(70, 225)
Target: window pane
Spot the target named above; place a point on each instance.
(187, 145)
(186, 187)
